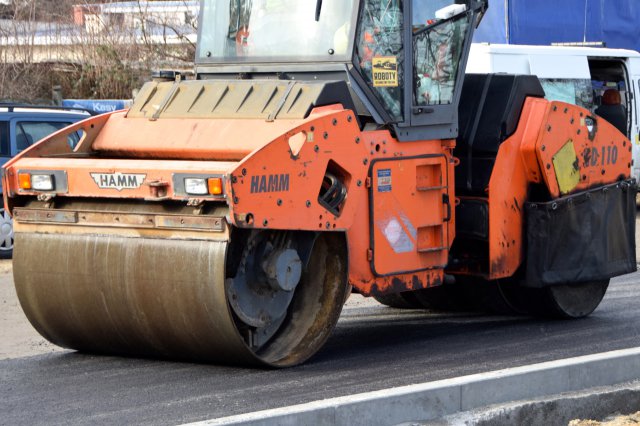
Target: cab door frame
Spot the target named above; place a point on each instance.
(430, 122)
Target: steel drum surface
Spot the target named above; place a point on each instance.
(136, 296)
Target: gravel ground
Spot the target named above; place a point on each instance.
(19, 339)
(633, 419)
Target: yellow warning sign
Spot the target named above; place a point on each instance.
(385, 71)
(567, 168)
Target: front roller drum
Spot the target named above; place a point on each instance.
(167, 298)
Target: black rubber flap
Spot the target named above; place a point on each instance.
(584, 237)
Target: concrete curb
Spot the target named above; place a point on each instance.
(428, 401)
(594, 403)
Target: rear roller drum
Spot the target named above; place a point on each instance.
(405, 300)
(560, 301)
(502, 296)
(451, 296)
(568, 300)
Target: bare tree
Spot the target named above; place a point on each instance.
(162, 44)
(42, 46)
(21, 78)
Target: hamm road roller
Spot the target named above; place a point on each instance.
(323, 147)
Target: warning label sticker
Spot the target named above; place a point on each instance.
(384, 180)
(385, 71)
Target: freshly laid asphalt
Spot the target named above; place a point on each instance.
(373, 348)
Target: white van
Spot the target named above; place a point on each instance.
(578, 75)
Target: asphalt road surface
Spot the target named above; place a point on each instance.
(373, 348)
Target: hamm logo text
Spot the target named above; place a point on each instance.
(118, 181)
(269, 183)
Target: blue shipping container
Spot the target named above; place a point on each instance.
(543, 22)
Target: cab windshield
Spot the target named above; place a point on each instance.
(275, 30)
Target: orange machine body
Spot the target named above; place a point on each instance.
(554, 146)
(399, 209)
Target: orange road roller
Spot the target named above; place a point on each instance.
(323, 147)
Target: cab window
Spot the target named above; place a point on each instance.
(274, 30)
(439, 31)
(380, 53)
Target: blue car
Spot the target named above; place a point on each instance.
(20, 127)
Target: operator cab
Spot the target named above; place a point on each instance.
(360, 42)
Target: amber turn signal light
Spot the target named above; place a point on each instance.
(215, 186)
(24, 180)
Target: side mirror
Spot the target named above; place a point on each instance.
(450, 11)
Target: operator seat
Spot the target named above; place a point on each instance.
(613, 111)
(488, 113)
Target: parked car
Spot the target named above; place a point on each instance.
(20, 127)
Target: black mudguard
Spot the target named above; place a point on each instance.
(583, 237)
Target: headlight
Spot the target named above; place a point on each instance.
(28, 181)
(42, 182)
(196, 186)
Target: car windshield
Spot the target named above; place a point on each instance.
(275, 30)
(29, 132)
